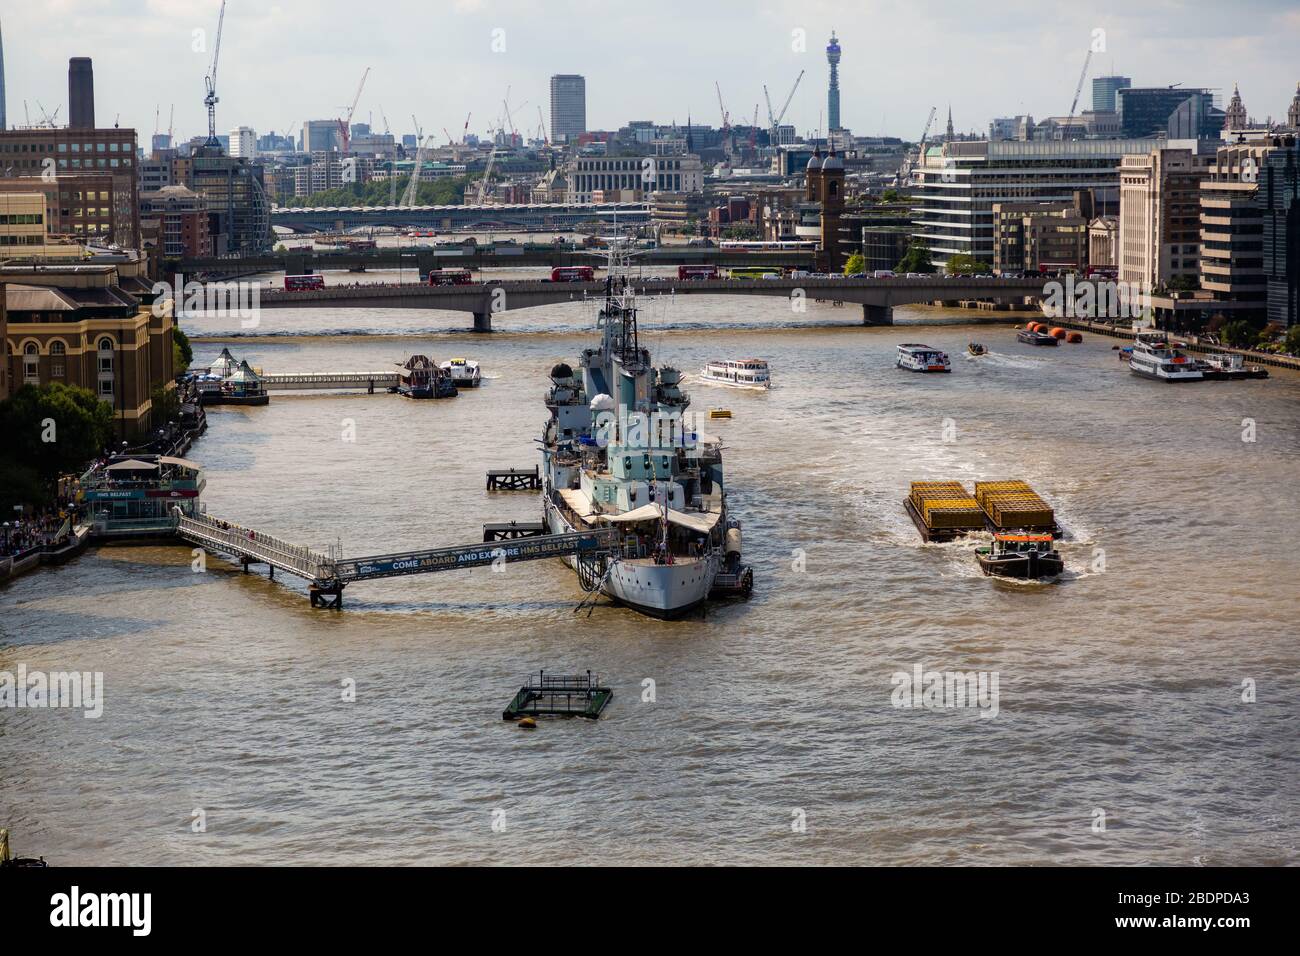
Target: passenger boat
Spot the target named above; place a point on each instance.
(1034, 337)
(464, 372)
(974, 348)
(1155, 357)
(922, 358)
(618, 452)
(418, 377)
(1225, 367)
(748, 373)
(1025, 556)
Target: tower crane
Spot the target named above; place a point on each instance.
(776, 120)
(1077, 90)
(910, 165)
(345, 125)
(210, 100)
(541, 127)
(413, 186)
(727, 146)
(171, 124)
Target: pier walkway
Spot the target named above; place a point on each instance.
(329, 573)
(329, 380)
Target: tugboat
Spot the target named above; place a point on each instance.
(974, 348)
(464, 372)
(1017, 555)
(418, 377)
(618, 452)
(922, 358)
(1155, 357)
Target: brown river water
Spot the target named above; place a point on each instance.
(772, 735)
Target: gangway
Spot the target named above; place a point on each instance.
(328, 573)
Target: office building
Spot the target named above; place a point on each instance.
(568, 107)
(1104, 89)
(1279, 200)
(1232, 227)
(238, 207)
(180, 220)
(321, 136)
(607, 175)
(1029, 237)
(1159, 215)
(243, 142)
(958, 185)
(1151, 111)
(24, 229)
(1103, 242)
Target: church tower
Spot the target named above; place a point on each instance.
(824, 185)
(1293, 114)
(1236, 112)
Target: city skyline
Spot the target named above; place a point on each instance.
(480, 48)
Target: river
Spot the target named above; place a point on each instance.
(763, 731)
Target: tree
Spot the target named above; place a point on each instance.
(891, 195)
(182, 351)
(963, 263)
(917, 259)
(857, 263)
(1239, 334)
(740, 230)
(51, 430)
(1292, 340)
(1183, 284)
(166, 405)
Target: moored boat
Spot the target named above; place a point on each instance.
(1154, 356)
(464, 373)
(1032, 336)
(922, 358)
(1017, 555)
(1228, 367)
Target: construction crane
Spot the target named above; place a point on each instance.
(171, 124)
(464, 133)
(345, 125)
(776, 120)
(392, 165)
(413, 185)
(210, 100)
(910, 164)
(727, 146)
(753, 131)
(487, 171)
(1077, 90)
(541, 127)
(47, 119)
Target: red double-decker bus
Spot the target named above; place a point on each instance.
(450, 277)
(573, 274)
(303, 283)
(697, 272)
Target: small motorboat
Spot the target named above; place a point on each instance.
(1228, 367)
(974, 348)
(1019, 555)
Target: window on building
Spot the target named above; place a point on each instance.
(31, 364)
(58, 353)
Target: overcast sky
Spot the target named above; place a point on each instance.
(292, 60)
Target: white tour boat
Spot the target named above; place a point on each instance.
(743, 373)
(1155, 357)
(922, 358)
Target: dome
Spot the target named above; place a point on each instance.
(602, 403)
(815, 161)
(562, 370)
(833, 162)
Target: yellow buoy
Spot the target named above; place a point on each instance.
(528, 723)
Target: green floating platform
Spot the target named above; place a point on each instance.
(566, 695)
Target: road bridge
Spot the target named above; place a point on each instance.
(878, 297)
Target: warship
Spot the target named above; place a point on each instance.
(618, 450)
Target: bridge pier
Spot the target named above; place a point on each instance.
(482, 321)
(877, 314)
(329, 596)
